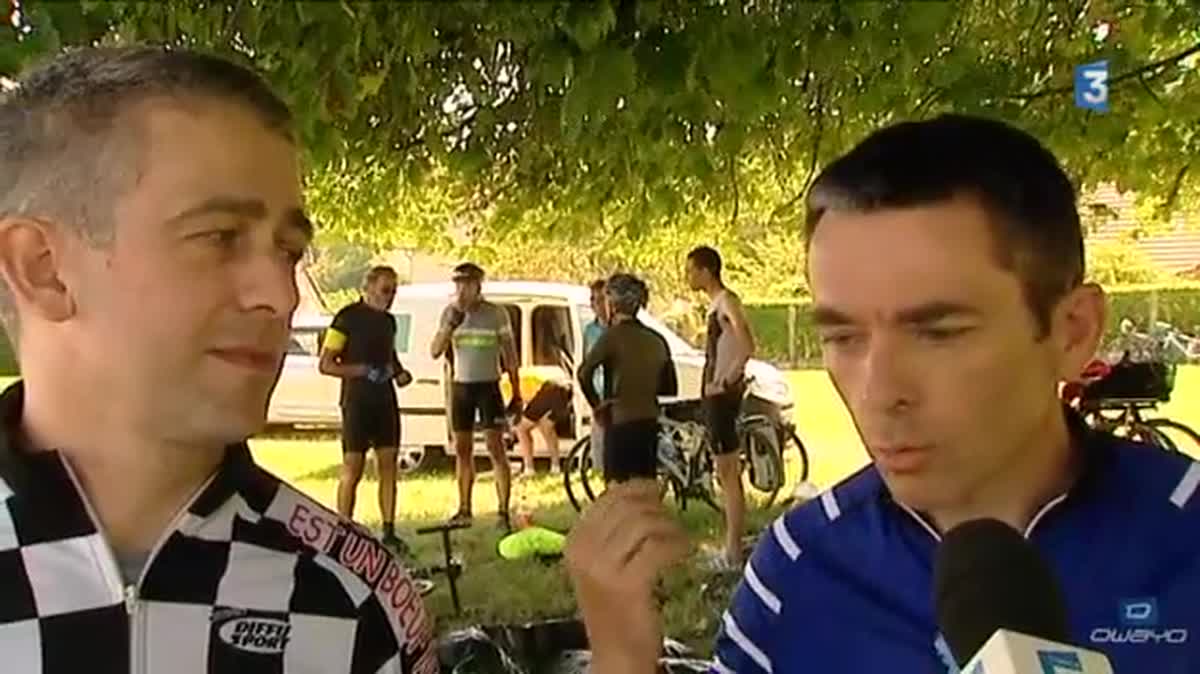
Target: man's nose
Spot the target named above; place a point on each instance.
(887, 384)
(269, 284)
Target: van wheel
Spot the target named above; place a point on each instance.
(418, 459)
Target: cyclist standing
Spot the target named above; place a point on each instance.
(360, 349)
(637, 369)
(591, 334)
(729, 345)
(477, 337)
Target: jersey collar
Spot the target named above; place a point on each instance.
(43, 476)
(1095, 451)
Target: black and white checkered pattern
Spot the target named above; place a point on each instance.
(255, 577)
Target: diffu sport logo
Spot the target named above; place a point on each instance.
(255, 633)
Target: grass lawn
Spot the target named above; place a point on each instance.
(497, 591)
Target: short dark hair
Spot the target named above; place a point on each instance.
(1027, 195)
(706, 257)
(66, 151)
(377, 272)
(597, 286)
(468, 271)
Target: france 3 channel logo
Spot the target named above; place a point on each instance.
(1091, 86)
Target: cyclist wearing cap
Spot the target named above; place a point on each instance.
(637, 369)
(477, 337)
(360, 349)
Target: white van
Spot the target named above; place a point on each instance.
(306, 398)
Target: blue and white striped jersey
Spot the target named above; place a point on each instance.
(844, 583)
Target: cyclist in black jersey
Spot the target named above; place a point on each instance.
(360, 349)
(637, 369)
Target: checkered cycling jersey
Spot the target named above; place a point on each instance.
(252, 578)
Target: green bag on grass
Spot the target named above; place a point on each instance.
(532, 542)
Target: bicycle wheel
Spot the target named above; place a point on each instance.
(789, 435)
(1182, 438)
(576, 458)
(1148, 435)
(588, 471)
(761, 452)
(702, 476)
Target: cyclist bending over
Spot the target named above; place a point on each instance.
(637, 369)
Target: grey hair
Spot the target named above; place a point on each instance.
(627, 294)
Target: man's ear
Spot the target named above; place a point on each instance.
(1078, 328)
(31, 258)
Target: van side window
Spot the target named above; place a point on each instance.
(514, 318)
(304, 342)
(403, 332)
(553, 337)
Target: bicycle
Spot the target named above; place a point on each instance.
(685, 456)
(684, 461)
(1115, 397)
(1128, 422)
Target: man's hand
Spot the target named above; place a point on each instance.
(713, 388)
(515, 406)
(454, 317)
(357, 371)
(615, 554)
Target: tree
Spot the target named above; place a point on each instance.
(631, 112)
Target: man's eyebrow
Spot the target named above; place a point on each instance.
(828, 317)
(250, 208)
(825, 316)
(936, 311)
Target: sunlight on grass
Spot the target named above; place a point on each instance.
(497, 591)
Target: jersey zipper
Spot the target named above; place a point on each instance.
(128, 594)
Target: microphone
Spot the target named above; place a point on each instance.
(1000, 608)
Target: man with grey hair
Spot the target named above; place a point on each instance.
(637, 369)
(151, 221)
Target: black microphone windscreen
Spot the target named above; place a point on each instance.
(987, 577)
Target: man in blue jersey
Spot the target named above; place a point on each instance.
(592, 332)
(945, 259)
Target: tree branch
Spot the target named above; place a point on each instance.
(733, 182)
(1169, 204)
(227, 30)
(1146, 85)
(1139, 72)
(927, 100)
(818, 133)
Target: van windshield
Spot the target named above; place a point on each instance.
(677, 344)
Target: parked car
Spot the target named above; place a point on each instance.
(304, 398)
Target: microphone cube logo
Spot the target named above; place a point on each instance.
(1091, 86)
(1142, 612)
(1057, 662)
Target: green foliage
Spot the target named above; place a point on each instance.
(338, 264)
(1178, 304)
(8, 358)
(631, 112)
(1121, 263)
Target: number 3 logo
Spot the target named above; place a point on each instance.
(1091, 86)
